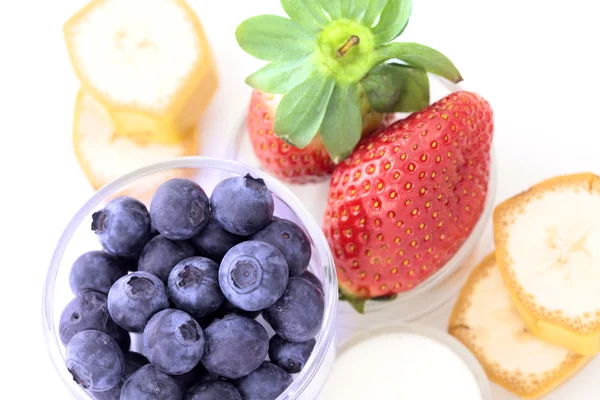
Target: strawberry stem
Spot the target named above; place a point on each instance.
(350, 43)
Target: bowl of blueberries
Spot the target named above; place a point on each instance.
(219, 285)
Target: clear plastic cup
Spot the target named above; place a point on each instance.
(429, 295)
(78, 238)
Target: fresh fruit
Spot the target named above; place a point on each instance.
(173, 341)
(179, 209)
(235, 346)
(148, 383)
(297, 316)
(546, 240)
(214, 242)
(95, 360)
(402, 205)
(485, 320)
(135, 298)
(95, 270)
(265, 383)
(220, 390)
(193, 287)
(290, 240)
(89, 311)
(133, 362)
(150, 80)
(309, 276)
(253, 275)
(242, 205)
(196, 375)
(289, 356)
(105, 154)
(288, 163)
(123, 226)
(333, 62)
(228, 308)
(160, 255)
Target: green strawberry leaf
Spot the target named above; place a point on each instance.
(281, 77)
(342, 126)
(415, 90)
(421, 57)
(274, 38)
(307, 13)
(333, 7)
(355, 9)
(357, 304)
(397, 88)
(393, 21)
(373, 11)
(302, 110)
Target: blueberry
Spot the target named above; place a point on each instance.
(97, 271)
(214, 242)
(89, 311)
(228, 308)
(135, 298)
(133, 362)
(193, 286)
(297, 316)
(173, 341)
(95, 360)
(266, 383)
(215, 390)
(312, 278)
(253, 275)
(292, 357)
(242, 205)
(160, 255)
(235, 346)
(123, 226)
(290, 240)
(148, 383)
(179, 209)
(196, 375)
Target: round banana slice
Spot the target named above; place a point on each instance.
(147, 61)
(485, 320)
(548, 250)
(104, 155)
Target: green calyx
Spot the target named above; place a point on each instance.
(329, 52)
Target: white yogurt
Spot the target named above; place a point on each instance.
(400, 366)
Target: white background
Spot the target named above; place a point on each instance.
(536, 61)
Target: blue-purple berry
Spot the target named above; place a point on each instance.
(135, 298)
(89, 311)
(160, 255)
(290, 240)
(312, 278)
(148, 383)
(214, 390)
(235, 346)
(95, 360)
(179, 209)
(242, 205)
(214, 242)
(267, 382)
(193, 286)
(297, 316)
(97, 271)
(173, 341)
(290, 356)
(253, 275)
(123, 226)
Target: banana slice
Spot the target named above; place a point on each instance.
(548, 250)
(485, 320)
(104, 155)
(147, 61)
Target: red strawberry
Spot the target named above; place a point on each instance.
(409, 196)
(286, 162)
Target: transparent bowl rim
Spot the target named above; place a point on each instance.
(437, 335)
(326, 336)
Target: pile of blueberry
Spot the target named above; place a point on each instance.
(191, 276)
